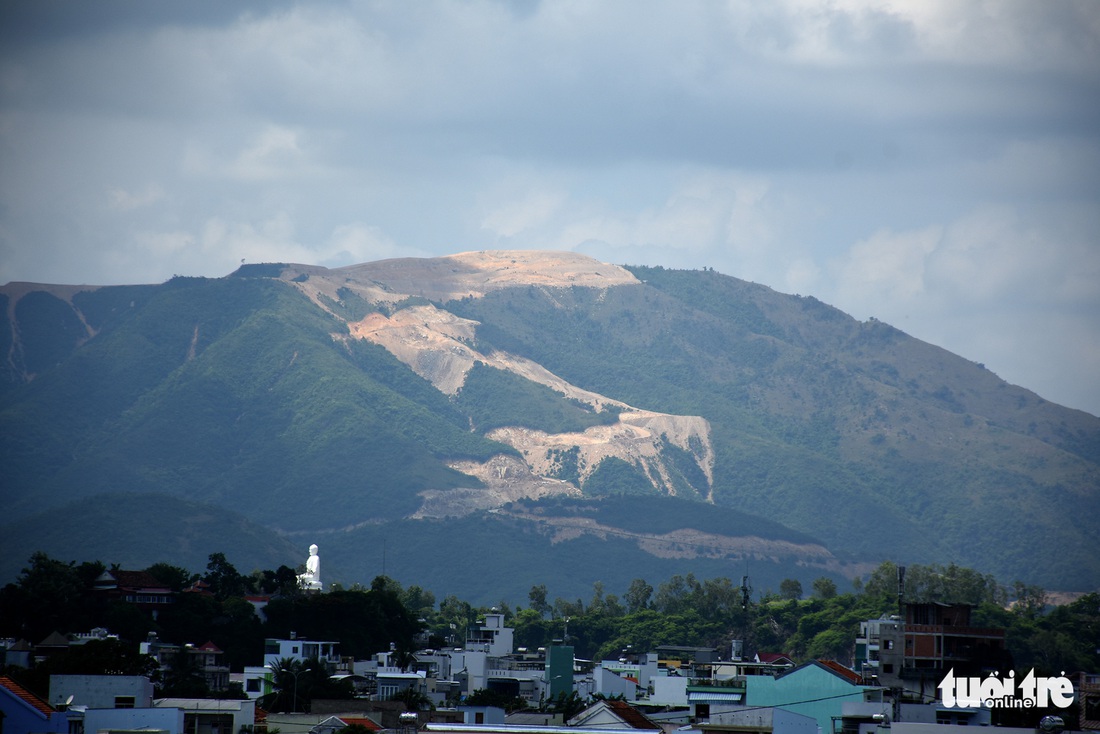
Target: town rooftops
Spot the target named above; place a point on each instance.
(26, 696)
(831, 666)
(442, 728)
(361, 721)
(843, 671)
(631, 716)
(54, 639)
(135, 580)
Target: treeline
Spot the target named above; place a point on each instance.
(819, 622)
(53, 596)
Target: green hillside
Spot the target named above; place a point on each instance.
(854, 432)
(250, 395)
(136, 531)
(235, 392)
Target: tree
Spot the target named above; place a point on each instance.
(225, 580)
(638, 595)
(47, 597)
(489, 697)
(174, 577)
(1030, 600)
(297, 682)
(790, 589)
(537, 598)
(282, 581)
(413, 699)
(601, 604)
(567, 704)
(679, 594)
(824, 588)
(184, 677)
(830, 644)
(418, 601)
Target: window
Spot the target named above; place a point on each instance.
(252, 685)
(887, 667)
(124, 702)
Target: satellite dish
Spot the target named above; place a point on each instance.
(69, 700)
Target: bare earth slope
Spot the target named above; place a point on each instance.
(439, 346)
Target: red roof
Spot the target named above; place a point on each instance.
(350, 720)
(842, 670)
(773, 657)
(631, 716)
(208, 646)
(138, 580)
(29, 698)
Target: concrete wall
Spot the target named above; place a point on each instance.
(809, 690)
(100, 691)
(21, 718)
(167, 720)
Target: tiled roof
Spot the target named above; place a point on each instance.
(368, 723)
(208, 646)
(842, 670)
(29, 698)
(631, 716)
(54, 639)
(137, 580)
(773, 657)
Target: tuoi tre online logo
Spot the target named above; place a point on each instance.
(1031, 692)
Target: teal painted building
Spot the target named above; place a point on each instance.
(816, 689)
(559, 670)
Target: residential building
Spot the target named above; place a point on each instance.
(915, 653)
(873, 717)
(208, 656)
(302, 650)
(447, 728)
(212, 716)
(759, 721)
(1088, 699)
(613, 714)
(102, 691)
(16, 652)
(816, 689)
(256, 680)
(139, 588)
(22, 712)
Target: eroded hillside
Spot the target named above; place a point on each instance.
(442, 348)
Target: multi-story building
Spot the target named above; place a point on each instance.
(257, 679)
(915, 653)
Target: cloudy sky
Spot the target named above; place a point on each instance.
(934, 164)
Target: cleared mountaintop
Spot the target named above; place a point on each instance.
(422, 396)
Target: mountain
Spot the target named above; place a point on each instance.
(543, 412)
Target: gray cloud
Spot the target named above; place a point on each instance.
(932, 164)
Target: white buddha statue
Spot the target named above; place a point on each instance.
(311, 578)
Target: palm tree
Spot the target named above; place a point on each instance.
(298, 681)
(285, 676)
(184, 678)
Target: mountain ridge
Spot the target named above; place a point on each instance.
(523, 376)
